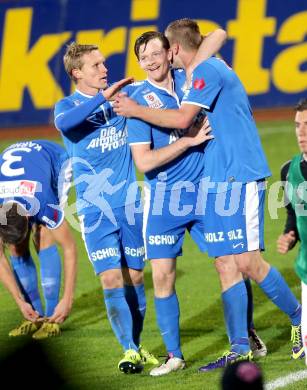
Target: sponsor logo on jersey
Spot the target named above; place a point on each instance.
(17, 188)
(152, 100)
(109, 139)
(164, 239)
(199, 84)
(101, 254)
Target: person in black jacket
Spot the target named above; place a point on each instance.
(294, 176)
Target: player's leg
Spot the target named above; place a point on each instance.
(268, 278)
(164, 234)
(50, 270)
(168, 313)
(304, 317)
(133, 263)
(258, 347)
(50, 267)
(136, 299)
(105, 253)
(26, 276)
(221, 238)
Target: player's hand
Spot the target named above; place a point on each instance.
(124, 106)
(28, 312)
(111, 92)
(199, 132)
(285, 242)
(61, 312)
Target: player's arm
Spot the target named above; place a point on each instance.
(202, 94)
(64, 238)
(181, 118)
(9, 282)
(147, 159)
(289, 238)
(67, 117)
(211, 45)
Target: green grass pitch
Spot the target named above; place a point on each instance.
(88, 353)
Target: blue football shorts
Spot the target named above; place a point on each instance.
(234, 220)
(167, 216)
(111, 242)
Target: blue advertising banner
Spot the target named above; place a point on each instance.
(267, 46)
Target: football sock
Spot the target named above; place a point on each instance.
(50, 266)
(120, 317)
(167, 311)
(275, 287)
(250, 304)
(136, 299)
(26, 276)
(235, 313)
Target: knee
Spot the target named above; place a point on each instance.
(111, 279)
(164, 283)
(226, 267)
(252, 265)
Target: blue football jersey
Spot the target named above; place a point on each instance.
(101, 158)
(29, 175)
(189, 166)
(235, 154)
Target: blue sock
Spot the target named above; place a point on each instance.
(167, 311)
(275, 287)
(50, 262)
(136, 299)
(250, 304)
(120, 317)
(26, 276)
(235, 313)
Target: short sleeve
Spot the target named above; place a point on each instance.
(205, 86)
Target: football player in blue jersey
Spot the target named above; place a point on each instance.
(171, 187)
(34, 179)
(234, 171)
(107, 196)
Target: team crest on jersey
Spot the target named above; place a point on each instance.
(152, 100)
(199, 84)
(9, 189)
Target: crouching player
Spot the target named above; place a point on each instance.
(34, 183)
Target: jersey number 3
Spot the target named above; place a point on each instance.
(9, 159)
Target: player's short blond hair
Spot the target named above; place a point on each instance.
(186, 32)
(73, 57)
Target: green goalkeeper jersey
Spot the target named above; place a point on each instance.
(297, 194)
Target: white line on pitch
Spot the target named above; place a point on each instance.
(286, 380)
